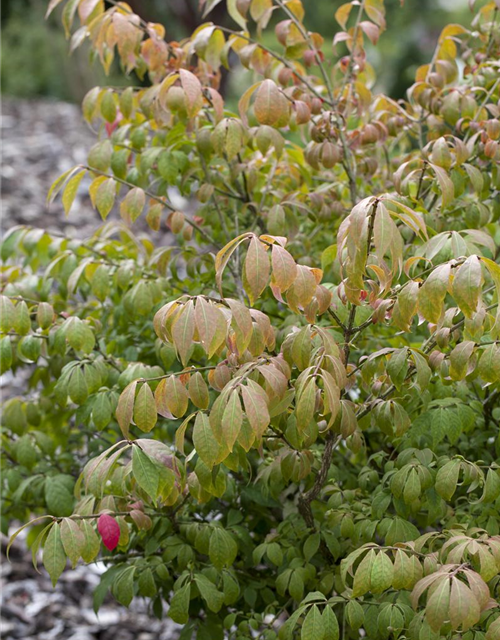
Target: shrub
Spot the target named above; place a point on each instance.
(286, 423)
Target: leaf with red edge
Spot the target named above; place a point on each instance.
(109, 529)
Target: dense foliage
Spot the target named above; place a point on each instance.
(286, 423)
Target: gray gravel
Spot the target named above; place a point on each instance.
(41, 140)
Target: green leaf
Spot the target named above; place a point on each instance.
(491, 489)
(105, 197)
(92, 544)
(73, 540)
(146, 584)
(447, 479)
(71, 190)
(362, 576)
(204, 441)
(209, 592)
(146, 472)
(432, 293)
(445, 184)
(330, 624)
(58, 184)
(311, 546)
(123, 586)
(235, 14)
(382, 573)
(397, 367)
(467, 285)
(54, 558)
(179, 605)
(305, 405)
(108, 106)
(232, 419)
(59, 500)
(145, 415)
(459, 359)
(177, 396)
(313, 627)
(223, 549)
(133, 204)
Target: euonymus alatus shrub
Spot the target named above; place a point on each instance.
(286, 423)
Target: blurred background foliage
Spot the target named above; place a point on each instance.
(35, 61)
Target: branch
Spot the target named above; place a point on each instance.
(153, 196)
(284, 61)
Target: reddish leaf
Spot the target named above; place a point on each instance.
(109, 530)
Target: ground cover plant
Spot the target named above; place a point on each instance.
(285, 423)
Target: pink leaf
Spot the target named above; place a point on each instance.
(109, 529)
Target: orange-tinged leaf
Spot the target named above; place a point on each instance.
(211, 325)
(193, 91)
(241, 323)
(105, 197)
(133, 204)
(268, 105)
(256, 409)
(198, 391)
(244, 102)
(256, 270)
(342, 14)
(464, 610)
(125, 408)
(303, 288)
(177, 396)
(437, 608)
(183, 332)
(222, 258)
(284, 267)
(459, 359)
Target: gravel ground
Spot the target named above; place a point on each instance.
(41, 140)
